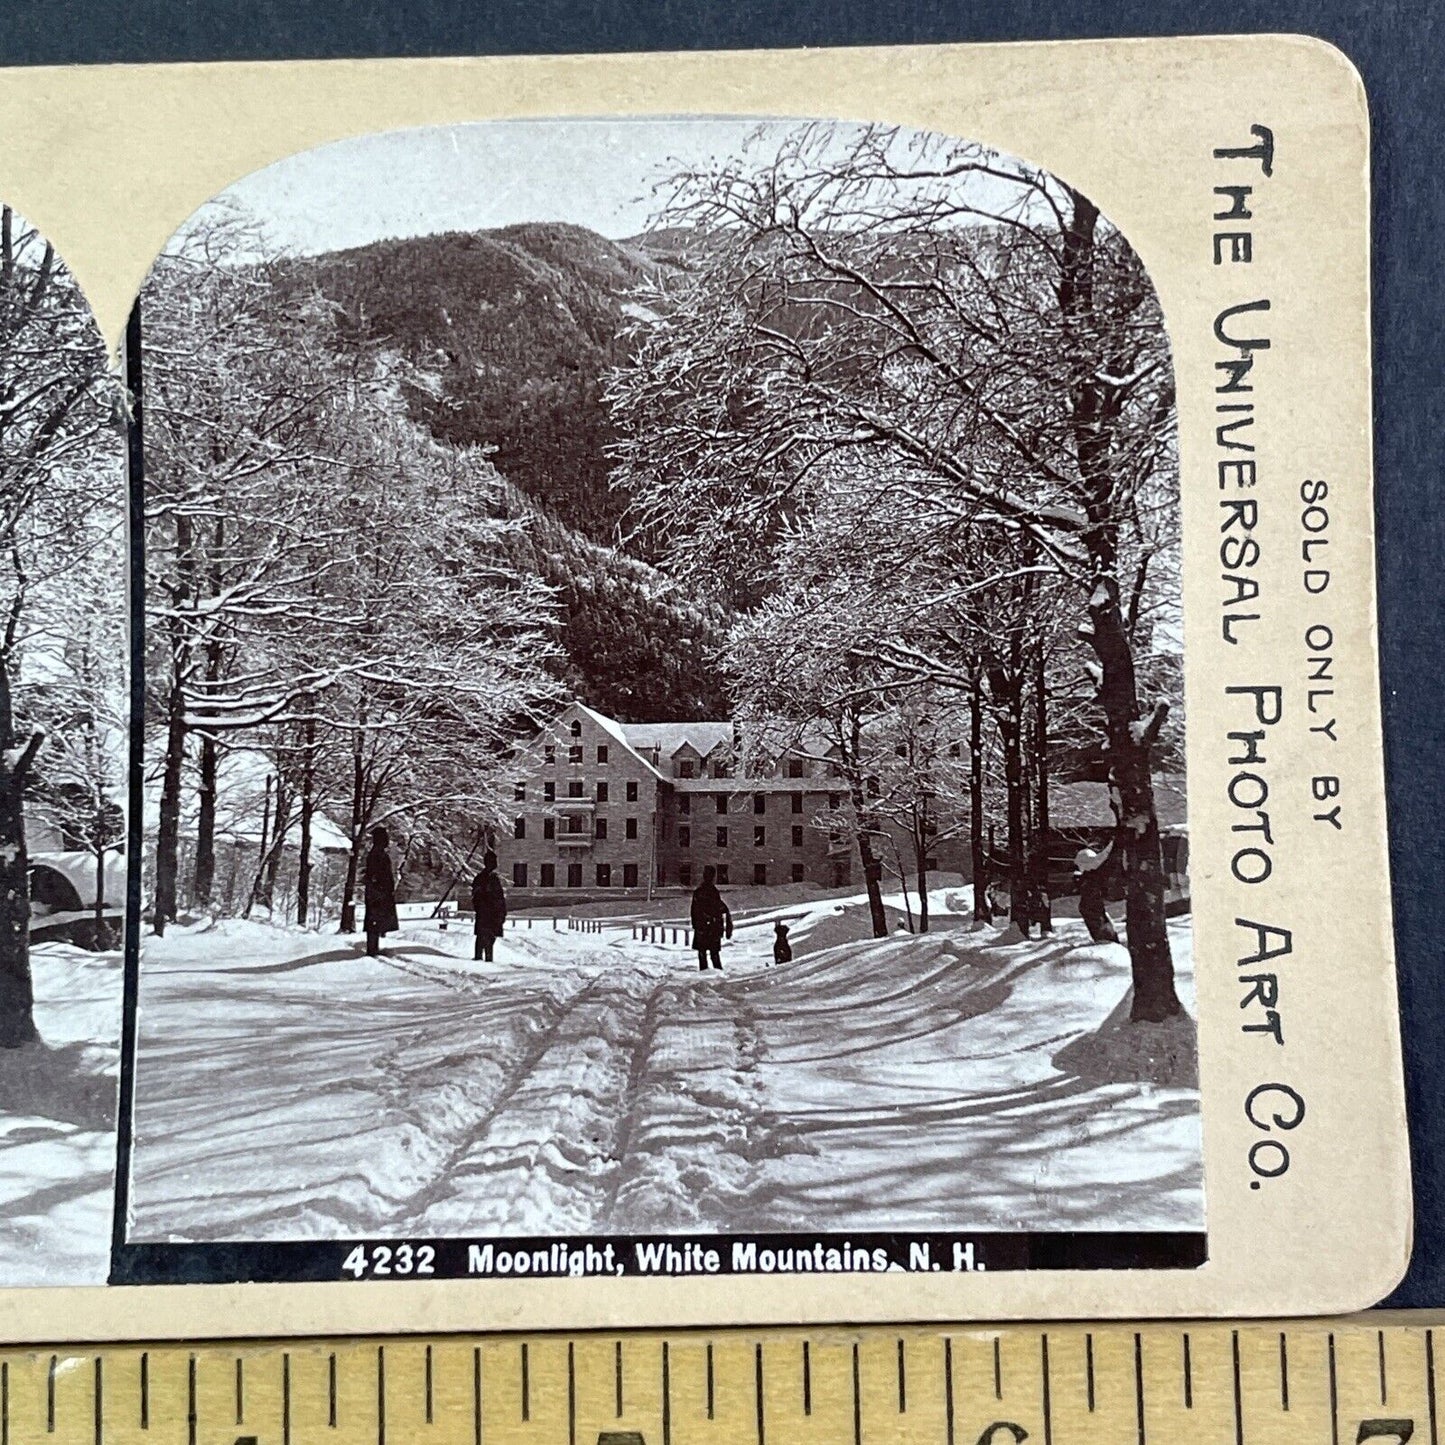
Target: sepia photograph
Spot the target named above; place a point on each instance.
(663, 707)
(64, 699)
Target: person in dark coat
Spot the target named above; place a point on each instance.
(782, 949)
(489, 906)
(711, 920)
(379, 892)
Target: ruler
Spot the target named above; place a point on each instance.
(1340, 1382)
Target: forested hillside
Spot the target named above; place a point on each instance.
(505, 336)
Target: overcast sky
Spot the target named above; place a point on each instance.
(597, 173)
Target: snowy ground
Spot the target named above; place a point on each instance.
(57, 1123)
(289, 1087)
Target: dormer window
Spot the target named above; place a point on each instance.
(576, 728)
(686, 768)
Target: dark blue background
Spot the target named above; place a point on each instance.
(1397, 47)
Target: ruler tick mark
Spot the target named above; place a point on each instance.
(807, 1381)
(526, 1386)
(948, 1388)
(667, 1395)
(240, 1393)
(997, 1368)
(99, 1403)
(1188, 1375)
(145, 1390)
(331, 1391)
(381, 1395)
(1238, 1392)
(1334, 1395)
(428, 1386)
(1048, 1393)
(1384, 1389)
(1139, 1384)
(285, 1398)
(191, 1401)
(1089, 1369)
(50, 1397)
(476, 1395)
(617, 1370)
(857, 1401)
(709, 1382)
(1430, 1383)
(1283, 1371)
(571, 1394)
(4, 1403)
(758, 1380)
(902, 1381)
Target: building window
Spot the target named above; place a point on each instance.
(722, 802)
(632, 792)
(685, 768)
(722, 837)
(602, 753)
(797, 802)
(549, 827)
(930, 865)
(684, 803)
(721, 770)
(549, 755)
(797, 835)
(722, 873)
(576, 728)
(574, 787)
(549, 875)
(519, 793)
(833, 801)
(684, 874)
(630, 828)
(760, 872)
(574, 754)
(661, 875)
(601, 830)
(760, 837)
(519, 875)
(799, 873)
(629, 875)
(841, 871)
(575, 822)
(760, 802)
(549, 791)
(795, 768)
(684, 837)
(601, 792)
(604, 875)
(519, 828)
(574, 875)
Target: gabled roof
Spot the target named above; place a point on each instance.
(619, 731)
(668, 737)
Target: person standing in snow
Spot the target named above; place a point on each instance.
(379, 892)
(711, 921)
(782, 949)
(489, 906)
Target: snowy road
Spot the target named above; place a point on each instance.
(288, 1087)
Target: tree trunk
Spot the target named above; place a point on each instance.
(1131, 736)
(203, 881)
(358, 822)
(982, 912)
(1131, 741)
(17, 998)
(168, 828)
(920, 850)
(1005, 691)
(873, 878)
(308, 809)
(1041, 795)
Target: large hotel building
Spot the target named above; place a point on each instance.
(603, 805)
